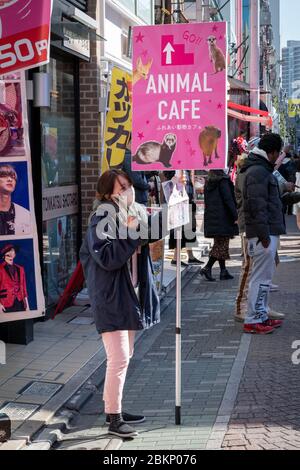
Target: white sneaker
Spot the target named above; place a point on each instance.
(274, 288)
(275, 315)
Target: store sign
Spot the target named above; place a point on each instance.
(60, 201)
(21, 292)
(118, 119)
(294, 107)
(76, 44)
(24, 34)
(179, 96)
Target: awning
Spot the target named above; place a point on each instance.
(236, 84)
(254, 115)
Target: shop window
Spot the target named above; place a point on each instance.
(58, 127)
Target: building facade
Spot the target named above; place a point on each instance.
(88, 38)
(65, 140)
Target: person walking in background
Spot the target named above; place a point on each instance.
(138, 178)
(288, 170)
(220, 221)
(264, 223)
(188, 237)
(119, 276)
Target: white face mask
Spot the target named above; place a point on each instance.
(127, 198)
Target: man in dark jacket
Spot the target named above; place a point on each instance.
(138, 178)
(264, 223)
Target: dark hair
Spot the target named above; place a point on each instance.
(271, 143)
(106, 183)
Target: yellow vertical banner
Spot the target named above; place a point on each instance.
(294, 107)
(118, 119)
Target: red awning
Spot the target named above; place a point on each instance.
(256, 115)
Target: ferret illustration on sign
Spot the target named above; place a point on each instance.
(216, 55)
(151, 152)
(208, 142)
(141, 70)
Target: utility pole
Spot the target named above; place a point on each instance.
(199, 11)
(239, 34)
(254, 60)
(206, 8)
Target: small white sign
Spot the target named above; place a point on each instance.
(60, 201)
(77, 44)
(178, 203)
(2, 353)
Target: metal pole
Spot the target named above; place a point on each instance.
(176, 18)
(206, 7)
(178, 329)
(176, 11)
(199, 11)
(239, 34)
(254, 61)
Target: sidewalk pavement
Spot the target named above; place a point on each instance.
(238, 391)
(38, 379)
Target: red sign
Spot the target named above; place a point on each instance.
(24, 34)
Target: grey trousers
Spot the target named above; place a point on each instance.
(263, 269)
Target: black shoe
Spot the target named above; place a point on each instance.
(174, 262)
(118, 428)
(207, 273)
(128, 418)
(225, 276)
(195, 261)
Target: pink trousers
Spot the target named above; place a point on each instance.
(119, 347)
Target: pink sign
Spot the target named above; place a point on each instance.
(24, 34)
(179, 97)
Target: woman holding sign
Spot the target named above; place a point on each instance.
(118, 270)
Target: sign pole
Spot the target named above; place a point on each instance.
(178, 329)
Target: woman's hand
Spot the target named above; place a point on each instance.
(2, 308)
(132, 222)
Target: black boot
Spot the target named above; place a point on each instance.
(224, 275)
(206, 272)
(119, 428)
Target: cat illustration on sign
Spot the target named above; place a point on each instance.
(208, 142)
(152, 152)
(216, 54)
(141, 70)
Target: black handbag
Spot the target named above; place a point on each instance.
(5, 427)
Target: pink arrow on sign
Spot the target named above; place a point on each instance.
(169, 49)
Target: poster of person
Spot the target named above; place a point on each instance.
(178, 203)
(11, 120)
(179, 97)
(17, 280)
(24, 34)
(15, 217)
(21, 290)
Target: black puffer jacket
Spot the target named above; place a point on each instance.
(220, 212)
(262, 203)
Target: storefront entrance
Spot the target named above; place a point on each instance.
(59, 173)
